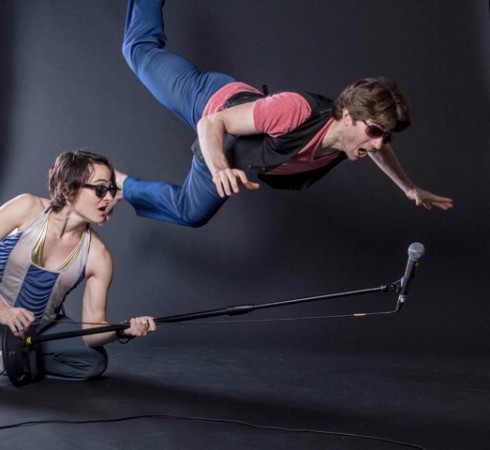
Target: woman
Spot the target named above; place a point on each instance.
(47, 247)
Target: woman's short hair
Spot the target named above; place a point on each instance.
(70, 172)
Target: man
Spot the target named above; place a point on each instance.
(289, 140)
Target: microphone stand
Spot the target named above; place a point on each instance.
(227, 311)
(20, 358)
(20, 355)
(415, 252)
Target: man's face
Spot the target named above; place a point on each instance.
(361, 137)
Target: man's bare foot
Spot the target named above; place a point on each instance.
(120, 177)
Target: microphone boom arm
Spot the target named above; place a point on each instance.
(227, 311)
(415, 253)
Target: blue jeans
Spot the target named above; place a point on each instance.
(70, 358)
(183, 89)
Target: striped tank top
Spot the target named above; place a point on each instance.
(26, 284)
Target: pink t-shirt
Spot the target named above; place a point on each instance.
(217, 101)
(276, 115)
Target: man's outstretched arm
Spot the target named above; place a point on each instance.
(388, 162)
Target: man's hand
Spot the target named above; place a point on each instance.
(227, 181)
(211, 129)
(428, 199)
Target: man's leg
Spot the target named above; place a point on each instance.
(175, 82)
(183, 89)
(192, 204)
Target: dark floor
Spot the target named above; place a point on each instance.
(208, 398)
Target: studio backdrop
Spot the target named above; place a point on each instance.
(65, 85)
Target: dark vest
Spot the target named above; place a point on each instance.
(261, 152)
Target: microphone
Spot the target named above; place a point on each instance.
(415, 253)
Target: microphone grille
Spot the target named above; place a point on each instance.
(416, 251)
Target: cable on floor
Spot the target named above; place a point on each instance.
(217, 420)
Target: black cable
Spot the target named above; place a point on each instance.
(208, 419)
(287, 319)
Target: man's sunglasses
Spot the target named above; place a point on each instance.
(375, 132)
(101, 190)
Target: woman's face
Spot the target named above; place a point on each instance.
(91, 207)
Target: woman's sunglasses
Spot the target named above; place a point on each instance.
(101, 190)
(375, 132)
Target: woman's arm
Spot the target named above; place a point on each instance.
(17, 214)
(99, 274)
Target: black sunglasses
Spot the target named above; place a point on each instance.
(101, 190)
(375, 132)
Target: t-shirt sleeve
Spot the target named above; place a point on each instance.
(280, 113)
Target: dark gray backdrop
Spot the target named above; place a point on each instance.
(64, 85)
